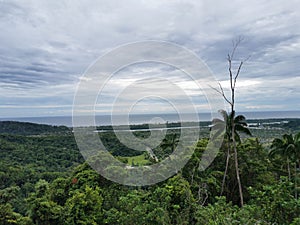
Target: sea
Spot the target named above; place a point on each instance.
(147, 118)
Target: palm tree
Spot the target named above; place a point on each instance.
(288, 147)
(284, 147)
(297, 162)
(170, 141)
(240, 126)
(293, 148)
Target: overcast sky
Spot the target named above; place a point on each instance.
(46, 46)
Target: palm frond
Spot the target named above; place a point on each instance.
(277, 142)
(240, 118)
(243, 129)
(224, 114)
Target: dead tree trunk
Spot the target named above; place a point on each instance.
(231, 101)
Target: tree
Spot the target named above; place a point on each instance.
(278, 147)
(233, 76)
(170, 141)
(276, 202)
(240, 125)
(167, 146)
(288, 147)
(297, 162)
(42, 210)
(84, 207)
(9, 217)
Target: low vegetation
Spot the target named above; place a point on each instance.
(44, 180)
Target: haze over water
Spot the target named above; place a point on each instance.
(146, 118)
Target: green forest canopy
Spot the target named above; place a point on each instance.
(44, 180)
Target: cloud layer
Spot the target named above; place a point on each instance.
(47, 45)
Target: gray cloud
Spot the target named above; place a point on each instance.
(47, 45)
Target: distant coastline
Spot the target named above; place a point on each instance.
(146, 118)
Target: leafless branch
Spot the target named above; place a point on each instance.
(235, 44)
(249, 56)
(221, 92)
(239, 70)
(230, 71)
(237, 73)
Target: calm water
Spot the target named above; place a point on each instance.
(148, 118)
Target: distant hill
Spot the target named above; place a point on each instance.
(25, 128)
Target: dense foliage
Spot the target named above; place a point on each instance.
(44, 180)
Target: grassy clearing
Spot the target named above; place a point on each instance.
(139, 160)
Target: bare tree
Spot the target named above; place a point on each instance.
(233, 76)
(240, 126)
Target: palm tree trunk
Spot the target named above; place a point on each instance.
(226, 168)
(238, 174)
(296, 193)
(236, 160)
(297, 169)
(288, 168)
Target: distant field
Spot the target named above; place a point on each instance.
(139, 160)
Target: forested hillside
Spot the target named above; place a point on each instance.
(24, 128)
(44, 180)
